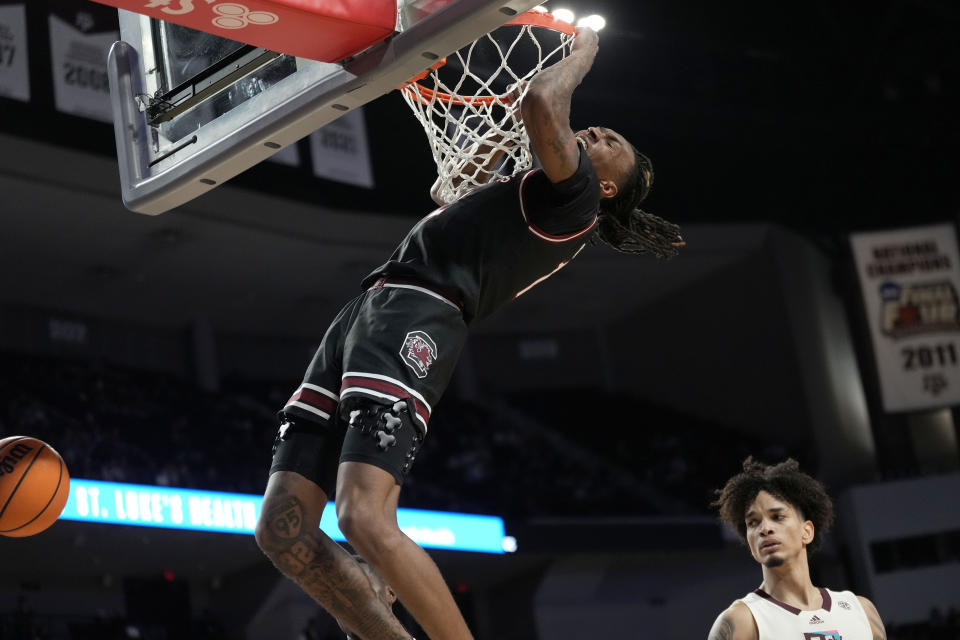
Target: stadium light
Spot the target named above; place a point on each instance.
(564, 14)
(595, 22)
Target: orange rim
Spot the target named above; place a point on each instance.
(426, 96)
(531, 18)
(423, 74)
(543, 19)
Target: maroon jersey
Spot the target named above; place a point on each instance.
(498, 241)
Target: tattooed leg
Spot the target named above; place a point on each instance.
(367, 512)
(288, 533)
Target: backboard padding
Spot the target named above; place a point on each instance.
(157, 174)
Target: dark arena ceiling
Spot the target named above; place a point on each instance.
(820, 116)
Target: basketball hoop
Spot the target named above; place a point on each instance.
(468, 102)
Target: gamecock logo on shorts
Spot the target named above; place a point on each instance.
(419, 352)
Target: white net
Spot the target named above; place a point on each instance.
(469, 107)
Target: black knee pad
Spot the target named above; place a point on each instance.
(384, 434)
(309, 448)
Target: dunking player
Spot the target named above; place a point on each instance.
(359, 418)
(782, 514)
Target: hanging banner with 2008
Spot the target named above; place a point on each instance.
(910, 280)
(81, 34)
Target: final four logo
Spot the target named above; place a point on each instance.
(918, 308)
(230, 15)
(419, 351)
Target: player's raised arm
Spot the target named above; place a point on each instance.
(546, 108)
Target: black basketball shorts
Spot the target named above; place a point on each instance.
(393, 343)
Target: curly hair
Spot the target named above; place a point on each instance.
(784, 481)
(628, 229)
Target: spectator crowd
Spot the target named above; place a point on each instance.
(115, 424)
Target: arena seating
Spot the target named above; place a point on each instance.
(116, 424)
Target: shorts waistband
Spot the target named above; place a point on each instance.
(447, 295)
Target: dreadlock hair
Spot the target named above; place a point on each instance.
(784, 481)
(628, 229)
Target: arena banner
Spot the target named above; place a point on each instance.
(14, 63)
(81, 34)
(164, 507)
(340, 151)
(910, 280)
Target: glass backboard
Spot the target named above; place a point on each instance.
(192, 109)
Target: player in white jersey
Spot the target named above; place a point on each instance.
(782, 514)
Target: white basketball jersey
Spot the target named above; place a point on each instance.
(841, 618)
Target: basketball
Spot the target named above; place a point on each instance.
(34, 485)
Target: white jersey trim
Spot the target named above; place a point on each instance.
(542, 278)
(306, 407)
(543, 235)
(384, 396)
(377, 376)
(313, 387)
(436, 295)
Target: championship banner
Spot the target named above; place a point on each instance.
(340, 151)
(14, 66)
(910, 279)
(81, 34)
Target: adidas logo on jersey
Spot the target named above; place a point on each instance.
(815, 620)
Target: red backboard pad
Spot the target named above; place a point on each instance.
(324, 30)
